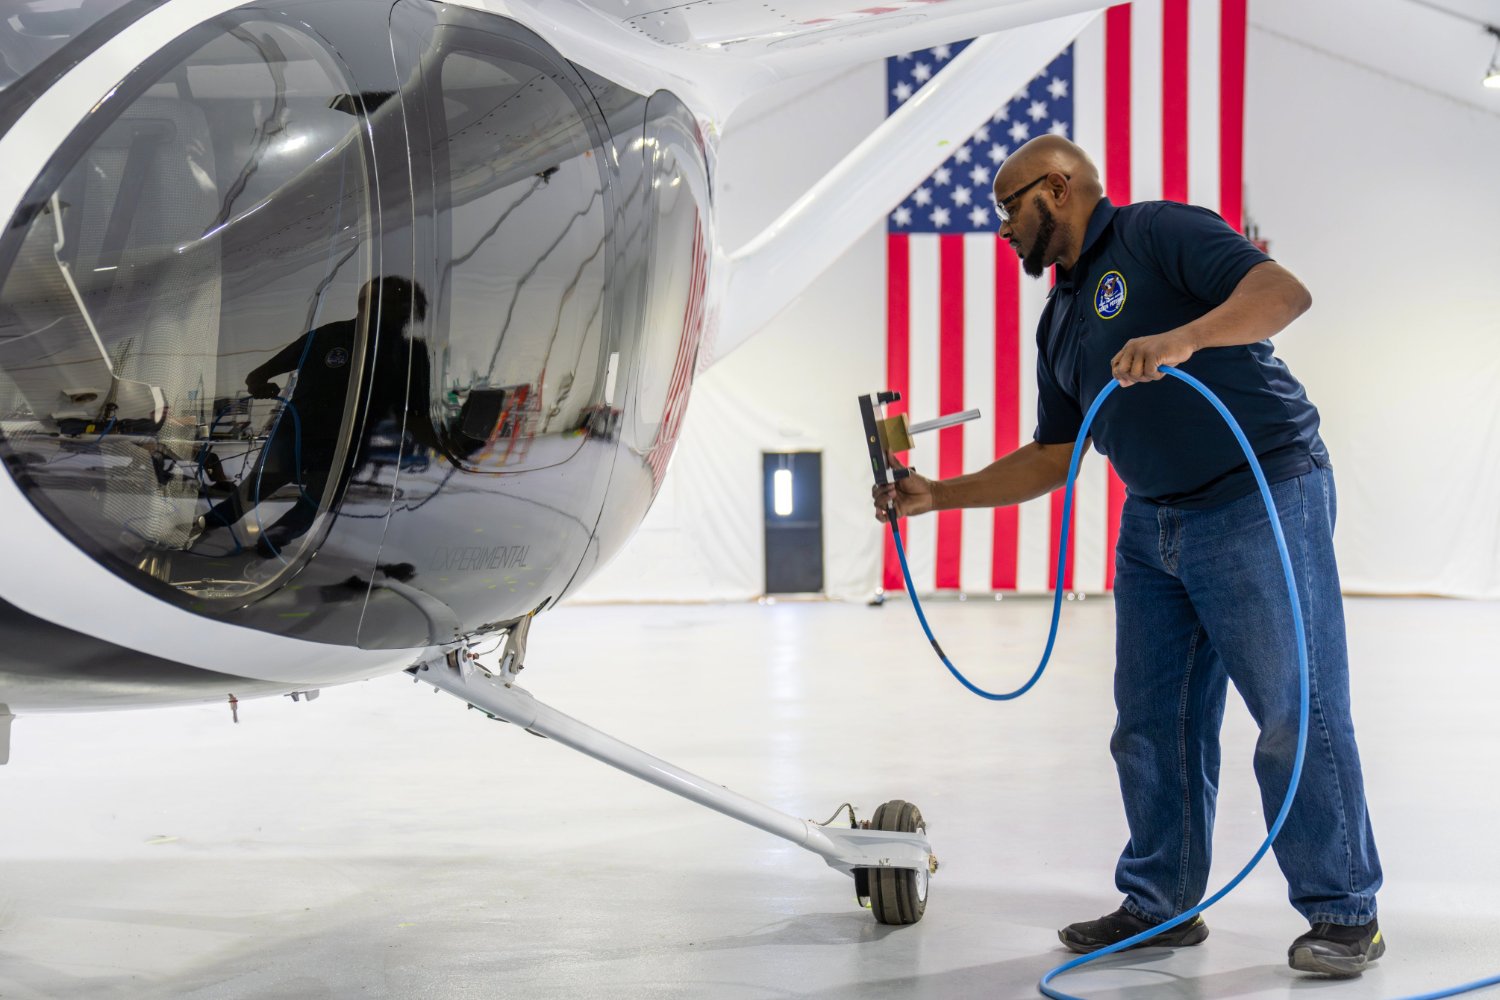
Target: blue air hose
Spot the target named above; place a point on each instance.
(1302, 673)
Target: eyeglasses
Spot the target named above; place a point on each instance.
(1001, 206)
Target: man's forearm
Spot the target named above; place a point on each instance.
(1263, 304)
(1030, 471)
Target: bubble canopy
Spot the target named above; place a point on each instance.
(183, 314)
(367, 325)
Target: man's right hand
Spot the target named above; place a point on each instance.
(911, 495)
(264, 390)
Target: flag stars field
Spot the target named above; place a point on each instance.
(956, 184)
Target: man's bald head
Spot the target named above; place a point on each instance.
(1046, 191)
(1050, 154)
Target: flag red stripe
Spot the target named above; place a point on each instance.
(1068, 582)
(897, 362)
(950, 400)
(1112, 526)
(1232, 112)
(1055, 522)
(1117, 181)
(1004, 558)
(1117, 103)
(1174, 101)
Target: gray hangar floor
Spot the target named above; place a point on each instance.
(384, 842)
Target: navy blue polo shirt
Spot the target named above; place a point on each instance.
(1146, 269)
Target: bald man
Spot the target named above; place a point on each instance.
(1199, 595)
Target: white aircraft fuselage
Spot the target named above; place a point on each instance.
(335, 333)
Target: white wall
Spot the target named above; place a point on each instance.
(1384, 197)
(1383, 194)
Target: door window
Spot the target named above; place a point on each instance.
(522, 258)
(181, 318)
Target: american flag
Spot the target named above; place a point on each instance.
(1155, 93)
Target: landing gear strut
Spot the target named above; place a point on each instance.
(889, 856)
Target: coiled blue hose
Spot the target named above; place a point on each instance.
(1302, 675)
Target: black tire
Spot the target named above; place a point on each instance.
(898, 896)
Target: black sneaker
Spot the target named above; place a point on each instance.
(1337, 950)
(1091, 935)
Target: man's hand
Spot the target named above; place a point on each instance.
(1140, 360)
(911, 496)
(264, 390)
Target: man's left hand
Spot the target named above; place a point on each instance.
(1140, 360)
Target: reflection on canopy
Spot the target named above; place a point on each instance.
(140, 299)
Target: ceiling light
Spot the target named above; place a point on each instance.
(1492, 75)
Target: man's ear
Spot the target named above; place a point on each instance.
(1061, 189)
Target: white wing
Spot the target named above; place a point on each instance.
(715, 53)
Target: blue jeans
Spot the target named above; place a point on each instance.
(1200, 600)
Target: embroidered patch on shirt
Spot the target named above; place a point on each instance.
(1109, 297)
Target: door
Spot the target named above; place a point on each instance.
(794, 522)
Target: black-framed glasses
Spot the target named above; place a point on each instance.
(1002, 209)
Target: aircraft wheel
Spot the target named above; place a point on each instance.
(897, 895)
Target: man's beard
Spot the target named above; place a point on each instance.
(1035, 261)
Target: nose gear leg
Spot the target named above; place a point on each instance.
(891, 857)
